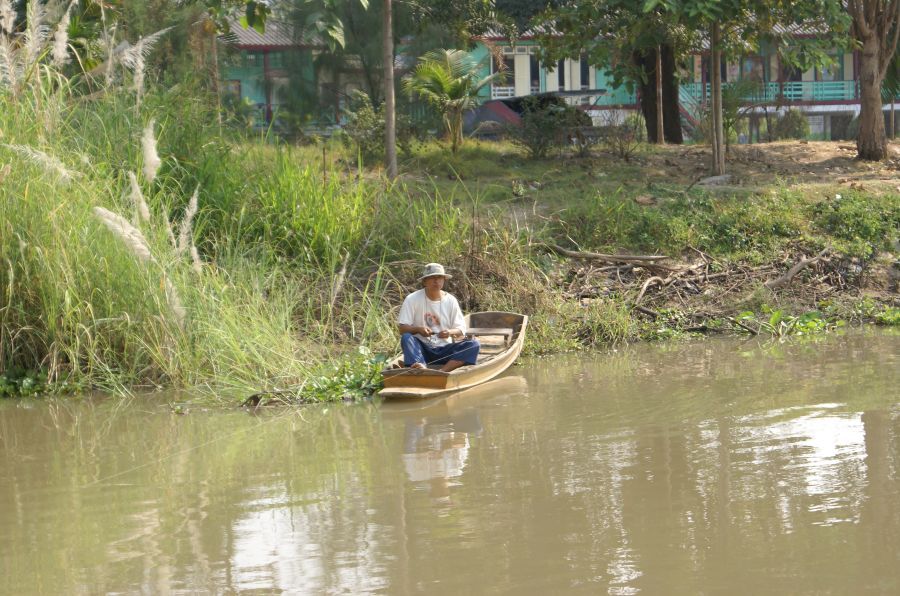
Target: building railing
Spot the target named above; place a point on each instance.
(699, 93)
(789, 91)
(616, 97)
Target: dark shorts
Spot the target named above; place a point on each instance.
(415, 350)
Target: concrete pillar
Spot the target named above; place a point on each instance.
(522, 70)
(848, 67)
(552, 80)
(573, 74)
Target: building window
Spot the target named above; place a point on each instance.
(535, 74)
(753, 69)
(707, 69)
(561, 74)
(790, 73)
(833, 72)
(276, 59)
(252, 59)
(585, 72)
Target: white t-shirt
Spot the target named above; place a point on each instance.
(419, 311)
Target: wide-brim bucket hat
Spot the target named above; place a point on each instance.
(433, 270)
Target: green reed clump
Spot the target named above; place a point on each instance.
(315, 218)
(721, 226)
(94, 297)
(860, 224)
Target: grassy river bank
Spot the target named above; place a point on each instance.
(287, 269)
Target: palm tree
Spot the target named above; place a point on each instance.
(449, 80)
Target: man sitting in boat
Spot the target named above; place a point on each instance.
(429, 320)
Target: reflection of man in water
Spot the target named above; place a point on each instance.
(436, 449)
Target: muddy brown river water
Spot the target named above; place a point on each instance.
(707, 467)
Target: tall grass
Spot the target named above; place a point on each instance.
(227, 266)
(753, 227)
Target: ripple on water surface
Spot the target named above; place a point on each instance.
(710, 466)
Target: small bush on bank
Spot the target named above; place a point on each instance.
(364, 131)
(546, 123)
(792, 125)
(723, 226)
(864, 222)
(624, 138)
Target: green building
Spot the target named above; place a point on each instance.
(262, 68)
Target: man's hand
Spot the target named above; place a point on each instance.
(426, 332)
(445, 333)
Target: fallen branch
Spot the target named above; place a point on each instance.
(646, 311)
(750, 330)
(596, 256)
(774, 284)
(646, 285)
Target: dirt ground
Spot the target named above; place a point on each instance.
(792, 162)
(688, 285)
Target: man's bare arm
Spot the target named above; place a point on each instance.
(423, 331)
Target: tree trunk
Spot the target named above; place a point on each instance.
(671, 111)
(390, 116)
(871, 143)
(717, 124)
(215, 76)
(657, 69)
(648, 93)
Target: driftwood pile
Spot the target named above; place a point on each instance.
(650, 280)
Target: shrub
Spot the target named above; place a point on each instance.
(623, 137)
(364, 131)
(546, 123)
(863, 221)
(793, 125)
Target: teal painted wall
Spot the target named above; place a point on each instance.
(481, 55)
(247, 69)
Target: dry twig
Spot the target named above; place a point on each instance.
(774, 284)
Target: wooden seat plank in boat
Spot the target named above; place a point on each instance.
(493, 358)
(505, 332)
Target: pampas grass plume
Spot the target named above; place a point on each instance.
(196, 263)
(36, 32)
(135, 59)
(60, 51)
(136, 243)
(46, 161)
(169, 232)
(137, 198)
(184, 230)
(10, 69)
(151, 157)
(7, 16)
(130, 235)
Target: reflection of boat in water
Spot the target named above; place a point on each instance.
(437, 432)
(501, 334)
(431, 406)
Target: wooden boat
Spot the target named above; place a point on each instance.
(501, 335)
(450, 404)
